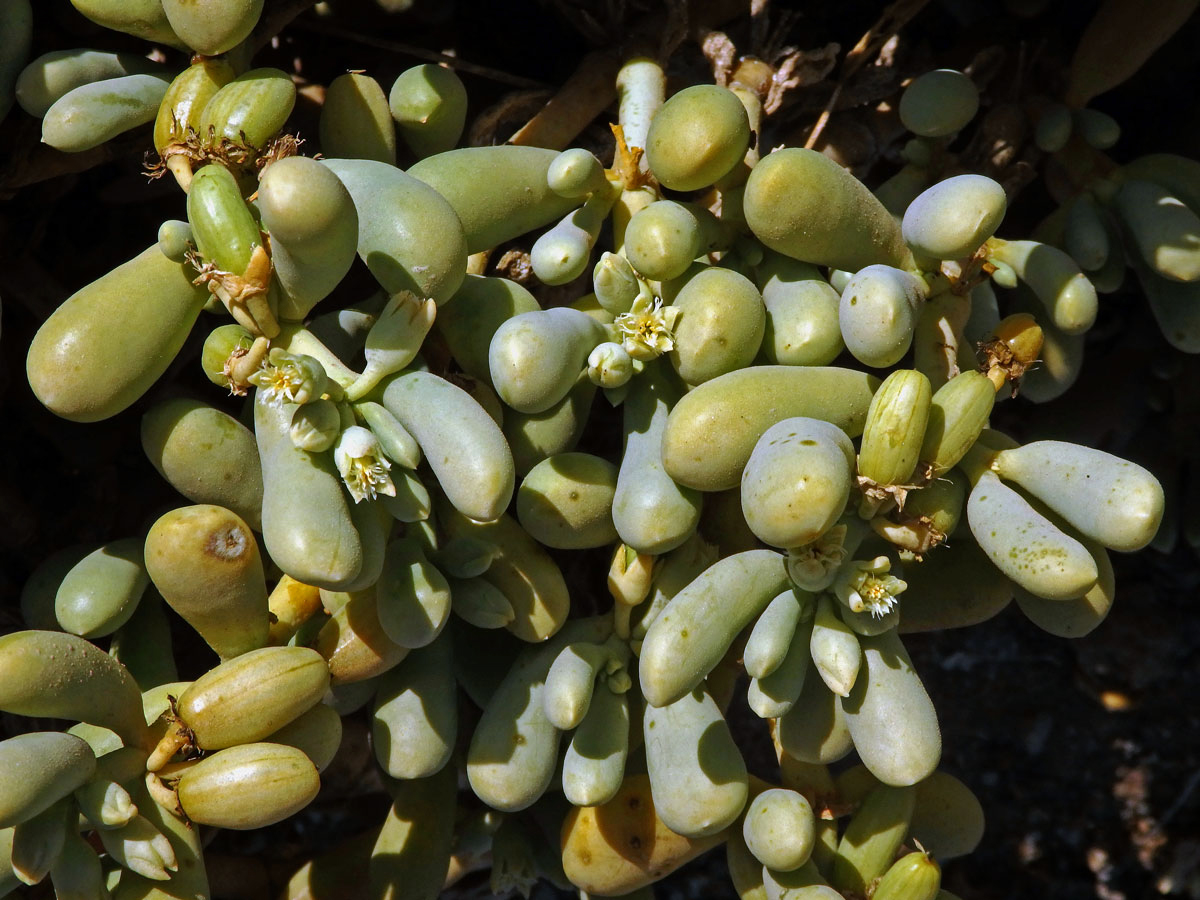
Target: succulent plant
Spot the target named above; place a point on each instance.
(402, 515)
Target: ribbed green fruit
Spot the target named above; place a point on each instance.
(248, 786)
(872, 838)
(111, 340)
(250, 697)
(251, 109)
(895, 428)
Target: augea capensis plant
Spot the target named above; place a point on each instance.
(376, 531)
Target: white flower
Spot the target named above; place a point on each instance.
(812, 566)
(867, 587)
(361, 463)
(648, 328)
(289, 378)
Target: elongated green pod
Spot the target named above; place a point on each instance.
(61, 676)
(895, 428)
(429, 105)
(314, 230)
(37, 770)
(249, 110)
(223, 227)
(1115, 502)
(412, 595)
(354, 644)
(307, 526)
(797, 481)
(514, 749)
(1025, 545)
(250, 697)
(835, 649)
(481, 305)
(720, 326)
(566, 501)
(248, 786)
(697, 773)
(47, 78)
(947, 817)
(227, 473)
(623, 845)
(535, 357)
(111, 340)
(773, 631)
(523, 572)
(412, 852)
(205, 562)
(953, 590)
(779, 829)
(100, 592)
(938, 103)
(1063, 289)
(414, 720)
(76, 874)
(356, 122)
(952, 219)
(651, 512)
(878, 314)
(873, 836)
(688, 638)
(463, 445)
(87, 116)
(915, 876)
(814, 729)
(774, 694)
(958, 412)
(712, 430)
(790, 190)
(1077, 617)
(499, 193)
(594, 763)
(802, 313)
(890, 716)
